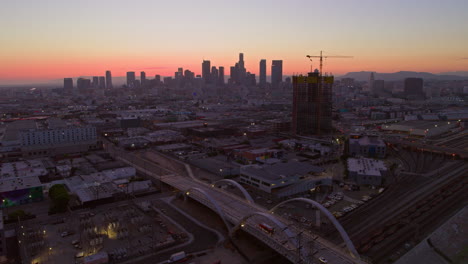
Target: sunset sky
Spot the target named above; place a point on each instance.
(52, 39)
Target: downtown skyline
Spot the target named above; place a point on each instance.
(41, 42)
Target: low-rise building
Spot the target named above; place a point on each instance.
(367, 146)
(366, 171)
(271, 178)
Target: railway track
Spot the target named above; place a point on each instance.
(413, 224)
(373, 225)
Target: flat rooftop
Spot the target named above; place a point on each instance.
(13, 184)
(365, 166)
(280, 170)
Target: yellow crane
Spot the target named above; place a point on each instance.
(321, 56)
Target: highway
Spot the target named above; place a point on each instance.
(286, 239)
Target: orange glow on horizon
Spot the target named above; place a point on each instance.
(28, 68)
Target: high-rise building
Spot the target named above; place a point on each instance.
(83, 83)
(276, 72)
(221, 75)
(262, 72)
(241, 71)
(206, 67)
(102, 82)
(157, 77)
(414, 88)
(214, 75)
(68, 83)
(312, 104)
(250, 79)
(95, 81)
(109, 80)
(131, 79)
(189, 75)
(233, 74)
(143, 78)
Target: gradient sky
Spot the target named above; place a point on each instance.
(50, 39)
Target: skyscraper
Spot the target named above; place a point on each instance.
(143, 78)
(95, 81)
(276, 72)
(233, 74)
(262, 80)
(83, 83)
(109, 79)
(68, 83)
(214, 75)
(241, 71)
(221, 75)
(102, 82)
(206, 67)
(157, 77)
(131, 79)
(312, 104)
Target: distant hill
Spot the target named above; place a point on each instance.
(398, 76)
(459, 73)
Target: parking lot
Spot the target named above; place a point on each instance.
(124, 231)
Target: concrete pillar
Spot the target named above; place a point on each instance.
(317, 218)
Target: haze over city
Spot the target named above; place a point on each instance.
(43, 40)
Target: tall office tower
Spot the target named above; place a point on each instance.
(276, 73)
(130, 79)
(214, 75)
(241, 60)
(371, 82)
(157, 77)
(189, 75)
(102, 82)
(312, 104)
(414, 88)
(179, 74)
(95, 81)
(241, 71)
(83, 83)
(143, 78)
(109, 80)
(68, 83)
(206, 67)
(221, 75)
(233, 74)
(250, 79)
(262, 80)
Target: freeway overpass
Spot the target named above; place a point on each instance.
(296, 244)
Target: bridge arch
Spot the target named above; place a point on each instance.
(349, 244)
(213, 202)
(242, 189)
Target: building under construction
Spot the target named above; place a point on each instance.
(312, 104)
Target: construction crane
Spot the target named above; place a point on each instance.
(321, 59)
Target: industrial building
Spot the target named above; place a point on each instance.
(47, 137)
(312, 104)
(20, 182)
(421, 128)
(272, 178)
(367, 146)
(366, 171)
